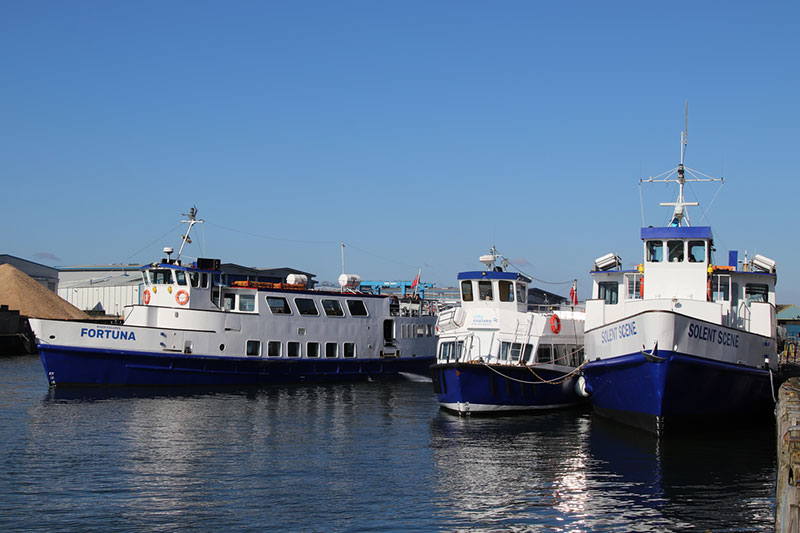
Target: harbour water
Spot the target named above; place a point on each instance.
(353, 457)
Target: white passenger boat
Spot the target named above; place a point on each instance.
(680, 341)
(192, 328)
(494, 355)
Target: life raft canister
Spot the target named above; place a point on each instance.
(182, 297)
(146, 297)
(555, 324)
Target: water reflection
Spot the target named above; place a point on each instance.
(569, 472)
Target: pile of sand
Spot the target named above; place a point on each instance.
(32, 299)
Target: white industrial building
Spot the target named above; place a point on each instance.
(104, 290)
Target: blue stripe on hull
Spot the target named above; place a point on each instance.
(80, 366)
(479, 385)
(680, 391)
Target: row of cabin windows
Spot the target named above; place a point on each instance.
(409, 331)
(295, 349)
(677, 251)
(485, 291)
(721, 289)
(164, 276)
(513, 352)
(279, 305)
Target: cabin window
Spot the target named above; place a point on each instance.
(697, 251)
(253, 348)
(420, 330)
(292, 349)
(607, 290)
(544, 354)
(356, 308)
(505, 348)
(145, 278)
(331, 349)
(575, 355)
(675, 251)
(180, 277)
(527, 355)
(332, 308)
(247, 302)
(278, 305)
(312, 349)
(721, 288)
(429, 330)
(306, 306)
(466, 291)
(459, 349)
(204, 280)
(485, 290)
(560, 354)
(756, 292)
(349, 349)
(655, 251)
(228, 302)
(506, 291)
(445, 351)
(634, 283)
(274, 348)
(516, 349)
(522, 292)
(161, 276)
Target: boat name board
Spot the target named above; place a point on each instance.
(117, 334)
(705, 333)
(621, 331)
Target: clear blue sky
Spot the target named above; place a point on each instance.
(419, 133)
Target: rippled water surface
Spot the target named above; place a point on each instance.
(371, 456)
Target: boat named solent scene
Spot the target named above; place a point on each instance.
(680, 342)
(191, 328)
(496, 356)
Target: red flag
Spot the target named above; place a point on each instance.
(573, 293)
(416, 280)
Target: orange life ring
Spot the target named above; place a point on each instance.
(182, 297)
(555, 324)
(146, 297)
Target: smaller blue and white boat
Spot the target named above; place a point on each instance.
(494, 355)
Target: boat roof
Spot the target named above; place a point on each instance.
(493, 274)
(191, 268)
(677, 232)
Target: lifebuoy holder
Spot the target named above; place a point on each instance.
(146, 297)
(555, 324)
(182, 297)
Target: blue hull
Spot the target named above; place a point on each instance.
(469, 387)
(80, 366)
(680, 392)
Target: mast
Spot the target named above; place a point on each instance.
(680, 217)
(192, 214)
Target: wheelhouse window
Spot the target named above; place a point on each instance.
(756, 292)
(506, 289)
(247, 302)
(357, 308)
(655, 251)
(306, 306)
(466, 290)
(675, 251)
(522, 292)
(485, 290)
(697, 251)
(278, 305)
(332, 308)
(180, 277)
(608, 291)
(161, 276)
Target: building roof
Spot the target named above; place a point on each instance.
(789, 312)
